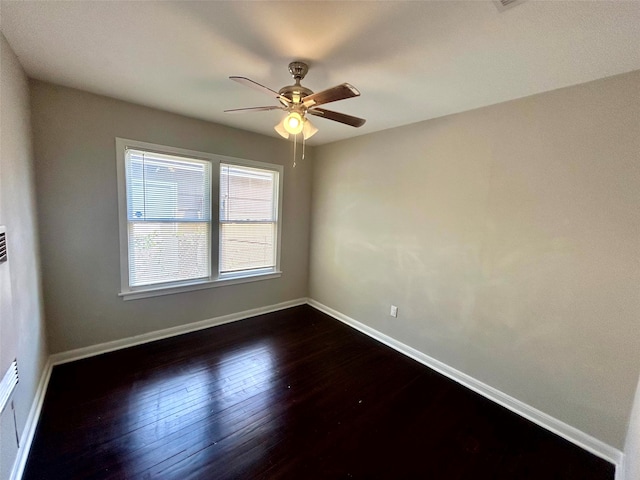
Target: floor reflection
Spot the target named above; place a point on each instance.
(212, 408)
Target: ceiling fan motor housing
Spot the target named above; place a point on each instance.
(296, 92)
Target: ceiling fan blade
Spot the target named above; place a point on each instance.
(334, 94)
(337, 117)
(261, 88)
(253, 109)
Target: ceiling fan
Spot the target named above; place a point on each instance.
(299, 101)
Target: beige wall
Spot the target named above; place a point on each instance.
(22, 331)
(75, 155)
(508, 237)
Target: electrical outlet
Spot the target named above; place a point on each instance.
(394, 311)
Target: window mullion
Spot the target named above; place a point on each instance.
(215, 220)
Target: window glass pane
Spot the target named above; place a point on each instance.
(247, 193)
(248, 214)
(245, 246)
(167, 252)
(165, 187)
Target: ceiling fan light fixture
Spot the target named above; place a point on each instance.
(294, 123)
(309, 130)
(281, 130)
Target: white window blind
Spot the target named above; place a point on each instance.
(248, 218)
(168, 217)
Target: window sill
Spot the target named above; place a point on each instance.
(201, 285)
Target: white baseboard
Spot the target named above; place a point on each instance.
(32, 422)
(572, 434)
(85, 352)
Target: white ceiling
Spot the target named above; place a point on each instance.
(410, 60)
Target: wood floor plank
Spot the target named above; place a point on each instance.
(289, 395)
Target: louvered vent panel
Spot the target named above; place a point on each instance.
(8, 385)
(3, 245)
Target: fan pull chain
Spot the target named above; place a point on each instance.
(304, 142)
(295, 142)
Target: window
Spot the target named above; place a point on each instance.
(191, 220)
(168, 218)
(248, 218)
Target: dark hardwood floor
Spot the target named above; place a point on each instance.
(289, 395)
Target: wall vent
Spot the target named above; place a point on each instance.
(8, 385)
(503, 5)
(3, 244)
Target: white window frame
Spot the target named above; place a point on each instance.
(215, 279)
